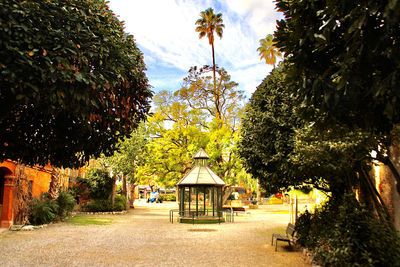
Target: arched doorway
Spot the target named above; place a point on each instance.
(1, 192)
(7, 181)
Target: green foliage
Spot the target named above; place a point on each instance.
(187, 120)
(130, 154)
(43, 210)
(97, 205)
(283, 148)
(120, 203)
(98, 182)
(168, 197)
(72, 81)
(344, 61)
(347, 234)
(104, 205)
(346, 58)
(268, 134)
(66, 203)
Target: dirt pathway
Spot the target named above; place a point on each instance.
(145, 237)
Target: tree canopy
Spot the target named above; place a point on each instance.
(347, 56)
(268, 51)
(72, 81)
(345, 61)
(283, 149)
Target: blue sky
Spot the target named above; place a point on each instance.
(164, 31)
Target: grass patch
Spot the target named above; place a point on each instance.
(89, 220)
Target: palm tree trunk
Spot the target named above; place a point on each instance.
(216, 96)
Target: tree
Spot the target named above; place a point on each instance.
(72, 80)
(174, 137)
(98, 182)
(267, 138)
(222, 102)
(347, 58)
(207, 24)
(282, 149)
(185, 121)
(268, 51)
(222, 107)
(130, 154)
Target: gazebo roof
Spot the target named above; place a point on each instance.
(201, 155)
(201, 175)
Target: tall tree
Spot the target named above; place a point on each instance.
(347, 57)
(207, 25)
(222, 129)
(72, 81)
(268, 51)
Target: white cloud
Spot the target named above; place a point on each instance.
(165, 31)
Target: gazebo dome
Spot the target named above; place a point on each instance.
(201, 155)
(201, 174)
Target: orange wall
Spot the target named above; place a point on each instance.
(40, 181)
(40, 178)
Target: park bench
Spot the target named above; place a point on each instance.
(289, 237)
(235, 210)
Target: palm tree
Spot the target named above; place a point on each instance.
(206, 25)
(268, 51)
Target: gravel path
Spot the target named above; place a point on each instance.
(145, 237)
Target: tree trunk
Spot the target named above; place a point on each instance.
(216, 96)
(124, 187)
(113, 192)
(132, 198)
(258, 191)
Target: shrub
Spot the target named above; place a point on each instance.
(103, 205)
(97, 205)
(349, 235)
(98, 182)
(169, 197)
(43, 210)
(66, 203)
(119, 203)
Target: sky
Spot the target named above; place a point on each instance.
(164, 31)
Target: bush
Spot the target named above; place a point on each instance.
(103, 205)
(66, 203)
(98, 182)
(348, 235)
(119, 203)
(168, 197)
(97, 205)
(43, 210)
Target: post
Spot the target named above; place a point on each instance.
(197, 202)
(290, 209)
(296, 209)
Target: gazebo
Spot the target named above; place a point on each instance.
(200, 193)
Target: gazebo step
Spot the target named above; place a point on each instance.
(202, 220)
